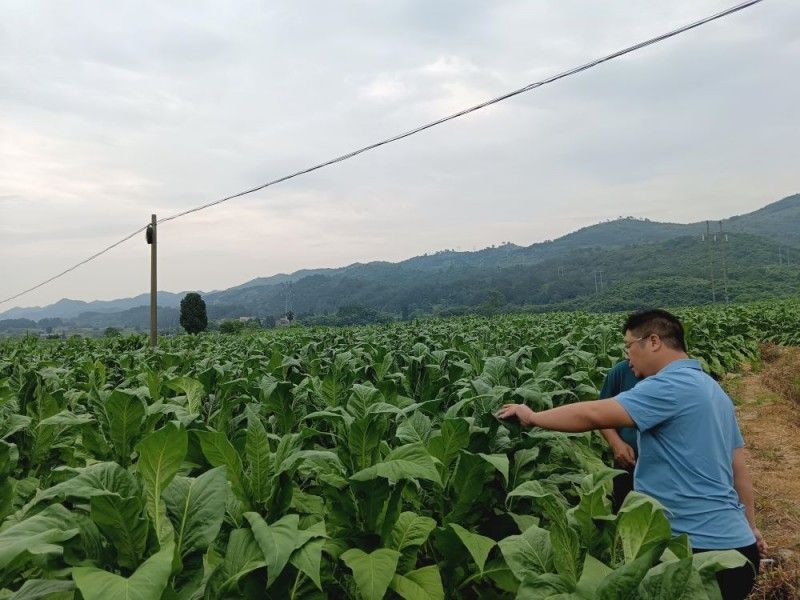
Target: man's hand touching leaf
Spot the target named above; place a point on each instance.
(520, 412)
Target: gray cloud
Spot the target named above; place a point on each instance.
(111, 111)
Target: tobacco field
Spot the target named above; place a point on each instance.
(337, 463)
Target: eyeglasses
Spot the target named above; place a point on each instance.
(629, 344)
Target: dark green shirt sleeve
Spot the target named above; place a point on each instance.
(620, 378)
(611, 383)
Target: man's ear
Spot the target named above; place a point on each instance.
(655, 342)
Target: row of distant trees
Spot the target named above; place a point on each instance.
(193, 318)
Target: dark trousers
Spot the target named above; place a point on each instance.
(623, 485)
(735, 584)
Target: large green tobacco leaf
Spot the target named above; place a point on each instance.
(498, 572)
(499, 462)
(67, 418)
(394, 504)
(468, 481)
(495, 370)
(276, 396)
(308, 556)
(477, 545)
(528, 553)
(524, 521)
(331, 389)
(146, 583)
(196, 507)
(623, 582)
(641, 524)
(594, 520)
(547, 586)
(453, 438)
(8, 461)
(122, 522)
(95, 480)
(90, 539)
(277, 541)
(36, 589)
(14, 424)
(677, 579)
(528, 489)
(566, 550)
(242, 556)
(39, 534)
(219, 452)
(364, 437)
(310, 461)
(708, 563)
(372, 572)
(259, 458)
(592, 575)
(563, 539)
(416, 428)
(409, 531)
(125, 417)
(411, 461)
(160, 456)
(421, 584)
(192, 389)
(370, 503)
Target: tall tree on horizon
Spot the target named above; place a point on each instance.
(194, 318)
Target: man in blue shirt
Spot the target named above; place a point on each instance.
(691, 455)
(621, 378)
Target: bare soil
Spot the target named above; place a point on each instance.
(768, 410)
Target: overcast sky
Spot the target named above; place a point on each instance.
(110, 111)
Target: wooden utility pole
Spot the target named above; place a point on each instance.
(151, 239)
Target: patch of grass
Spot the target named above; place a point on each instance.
(780, 582)
(765, 398)
(771, 455)
(732, 386)
(758, 397)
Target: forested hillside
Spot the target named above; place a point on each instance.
(615, 265)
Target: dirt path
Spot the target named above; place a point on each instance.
(768, 409)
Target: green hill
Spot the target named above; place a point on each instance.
(779, 221)
(614, 265)
(672, 272)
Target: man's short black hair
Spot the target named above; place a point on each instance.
(664, 324)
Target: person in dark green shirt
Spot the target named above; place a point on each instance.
(622, 441)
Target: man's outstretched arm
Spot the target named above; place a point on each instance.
(576, 417)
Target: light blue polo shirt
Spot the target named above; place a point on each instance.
(687, 435)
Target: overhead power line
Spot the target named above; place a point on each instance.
(73, 267)
(461, 113)
(466, 111)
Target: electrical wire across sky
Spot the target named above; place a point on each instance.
(409, 133)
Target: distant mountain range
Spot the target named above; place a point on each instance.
(69, 309)
(614, 265)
